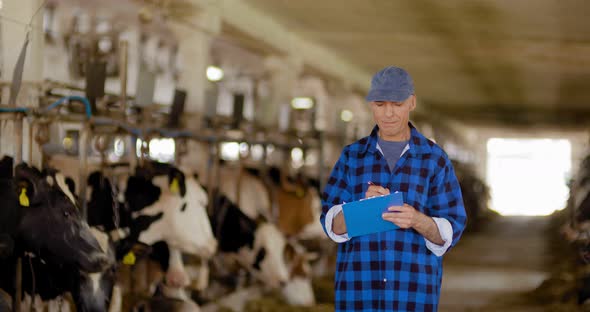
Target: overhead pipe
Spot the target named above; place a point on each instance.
(14, 110)
(175, 133)
(26, 110)
(87, 106)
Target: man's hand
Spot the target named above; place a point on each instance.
(407, 217)
(338, 225)
(404, 216)
(375, 190)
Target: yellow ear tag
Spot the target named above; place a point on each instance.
(299, 192)
(23, 198)
(129, 258)
(174, 187)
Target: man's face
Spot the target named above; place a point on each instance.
(392, 118)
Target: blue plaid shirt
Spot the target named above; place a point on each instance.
(394, 270)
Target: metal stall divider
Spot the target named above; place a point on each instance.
(123, 60)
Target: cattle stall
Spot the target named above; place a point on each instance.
(185, 194)
(100, 128)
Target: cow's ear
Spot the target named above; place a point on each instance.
(176, 182)
(25, 192)
(28, 182)
(259, 257)
(174, 186)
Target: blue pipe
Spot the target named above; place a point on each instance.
(13, 109)
(170, 133)
(109, 121)
(72, 98)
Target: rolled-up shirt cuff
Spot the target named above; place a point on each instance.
(446, 233)
(329, 218)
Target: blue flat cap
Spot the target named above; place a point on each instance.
(391, 84)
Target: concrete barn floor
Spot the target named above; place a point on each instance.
(492, 269)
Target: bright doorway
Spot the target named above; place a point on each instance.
(528, 176)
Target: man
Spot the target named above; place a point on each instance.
(398, 270)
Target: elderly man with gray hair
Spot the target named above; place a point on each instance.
(400, 269)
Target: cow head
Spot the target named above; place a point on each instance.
(299, 291)
(184, 223)
(284, 264)
(94, 291)
(51, 224)
(269, 255)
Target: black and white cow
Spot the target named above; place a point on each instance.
(161, 206)
(41, 217)
(182, 200)
(90, 291)
(109, 215)
(259, 244)
(263, 250)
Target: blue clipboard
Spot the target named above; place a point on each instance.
(364, 216)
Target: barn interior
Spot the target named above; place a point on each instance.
(254, 100)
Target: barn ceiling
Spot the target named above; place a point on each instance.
(502, 62)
